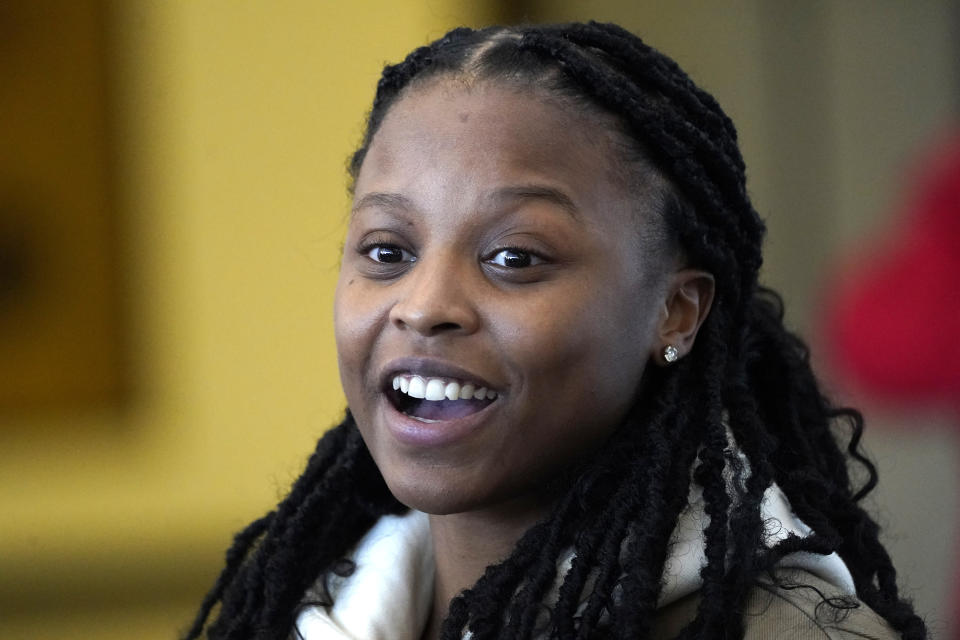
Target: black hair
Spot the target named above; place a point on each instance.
(746, 375)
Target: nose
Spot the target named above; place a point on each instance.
(435, 298)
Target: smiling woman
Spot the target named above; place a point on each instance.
(490, 282)
(573, 411)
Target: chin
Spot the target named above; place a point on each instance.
(436, 493)
(432, 497)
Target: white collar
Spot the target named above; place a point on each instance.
(389, 595)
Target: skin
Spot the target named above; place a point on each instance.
(492, 231)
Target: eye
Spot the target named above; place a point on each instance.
(388, 253)
(514, 258)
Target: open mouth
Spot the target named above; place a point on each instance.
(432, 399)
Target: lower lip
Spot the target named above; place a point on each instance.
(415, 433)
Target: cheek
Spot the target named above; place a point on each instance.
(357, 318)
(587, 337)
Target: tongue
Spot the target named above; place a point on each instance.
(446, 409)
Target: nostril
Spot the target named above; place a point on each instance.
(425, 324)
(432, 311)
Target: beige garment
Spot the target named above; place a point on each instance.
(775, 612)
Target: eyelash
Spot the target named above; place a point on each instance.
(368, 249)
(533, 258)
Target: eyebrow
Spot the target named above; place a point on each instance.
(384, 200)
(498, 197)
(537, 192)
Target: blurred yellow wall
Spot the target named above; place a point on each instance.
(234, 121)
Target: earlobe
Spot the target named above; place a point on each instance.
(686, 305)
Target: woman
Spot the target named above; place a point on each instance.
(552, 341)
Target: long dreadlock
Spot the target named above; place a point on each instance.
(746, 374)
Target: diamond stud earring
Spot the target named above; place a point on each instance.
(670, 353)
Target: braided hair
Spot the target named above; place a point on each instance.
(747, 374)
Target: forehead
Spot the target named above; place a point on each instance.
(451, 134)
(539, 118)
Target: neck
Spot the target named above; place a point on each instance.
(465, 544)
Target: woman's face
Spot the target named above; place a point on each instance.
(492, 270)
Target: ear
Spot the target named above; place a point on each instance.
(686, 305)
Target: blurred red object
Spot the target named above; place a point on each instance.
(893, 328)
(893, 310)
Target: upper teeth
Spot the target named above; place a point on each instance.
(440, 388)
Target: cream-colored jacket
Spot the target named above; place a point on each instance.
(389, 595)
